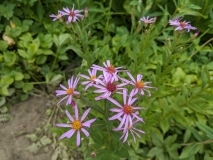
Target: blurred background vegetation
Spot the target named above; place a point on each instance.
(37, 54)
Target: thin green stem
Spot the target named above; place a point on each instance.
(205, 142)
(107, 23)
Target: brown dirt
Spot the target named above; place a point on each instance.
(26, 117)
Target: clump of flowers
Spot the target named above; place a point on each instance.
(108, 83)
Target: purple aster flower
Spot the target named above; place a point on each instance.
(139, 84)
(126, 110)
(147, 20)
(58, 16)
(109, 69)
(130, 128)
(107, 87)
(91, 80)
(77, 125)
(175, 21)
(69, 92)
(181, 25)
(72, 14)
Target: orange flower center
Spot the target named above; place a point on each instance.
(58, 16)
(72, 14)
(111, 69)
(76, 125)
(92, 78)
(146, 21)
(127, 109)
(111, 87)
(70, 91)
(139, 84)
(182, 24)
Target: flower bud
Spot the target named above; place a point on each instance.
(93, 155)
(86, 12)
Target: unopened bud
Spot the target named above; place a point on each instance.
(93, 155)
(86, 12)
(196, 34)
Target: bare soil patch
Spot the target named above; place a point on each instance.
(26, 117)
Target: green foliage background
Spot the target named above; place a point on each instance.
(43, 53)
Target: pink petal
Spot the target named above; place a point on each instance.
(69, 116)
(85, 114)
(85, 132)
(78, 139)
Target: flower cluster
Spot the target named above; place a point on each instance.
(70, 15)
(107, 84)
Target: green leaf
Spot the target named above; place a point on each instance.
(155, 151)
(3, 45)
(32, 137)
(2, 101)
(7, 80)
(26, 37)
(190, 150)
(27, 87)
(35, 147)
(61, 39)
(40, 11)
(45, 140)
(3, 109)
(170, 140)
(9, 58)
(204, 77)
(41, 59)
(56, 79)
(164, 124)
(77, 51)
(18, 76)
(7, 10)
(206, 129)
(23, 54)
(187, 135)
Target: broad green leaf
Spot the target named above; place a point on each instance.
(2, 101)
(164, 124)
(45, 140)
(26, 37)
(35, 147)
(206, 129)
(32, 137)
(187, 135)
(9, 58)
(56, 79)
(190, 150)
(27, 87)
(18, 76)
(3, 109)
(3, 45)
(41, 59)
(77, 51)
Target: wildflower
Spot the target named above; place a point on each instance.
(107, 87)
(109, 69)
(72, 14)
(58, 16)
(76, 125)
(147, 20)
(132, 130)
(69, 92)
(175, 21)
(139, 84)
(92, 79)
(127, 110)
(181, 25)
